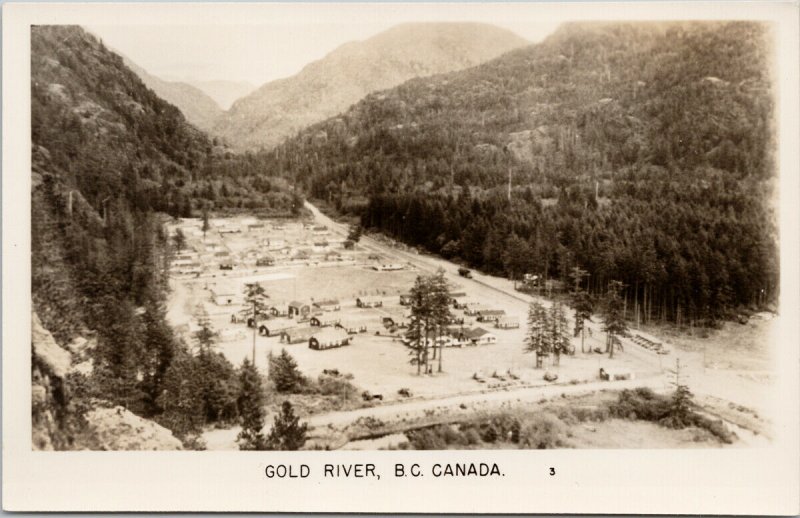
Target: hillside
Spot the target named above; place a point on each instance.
(326, 87)
(197, 106)
(223, 92)
(639, 152)
(110, 162)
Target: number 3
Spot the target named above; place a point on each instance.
(552, 471)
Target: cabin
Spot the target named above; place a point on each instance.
(474, 308)
(391, 321)
(507, 322)
(388, 267)
(490, 315)
(275, 327)
(369, 302)
(299, 309)
(265, 260)
(298, 335)
(352, 328)
(455, 297)
(405, 299)
(328, 305)
(225, 297)
(279, 310)
(329, 339)
(323, 321)
(480, 336)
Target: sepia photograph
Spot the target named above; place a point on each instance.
(405, 232)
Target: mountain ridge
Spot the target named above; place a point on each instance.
(329, 85)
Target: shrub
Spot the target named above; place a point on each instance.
(543, 431)
(426, 439)
(641, 403)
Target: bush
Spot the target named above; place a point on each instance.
(641, 403)
(501, 428)
(543, 431)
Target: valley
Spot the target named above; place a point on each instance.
(305, 270)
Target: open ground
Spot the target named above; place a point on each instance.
(309, 261)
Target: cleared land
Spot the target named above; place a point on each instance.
(308, 261)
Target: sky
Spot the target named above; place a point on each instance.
(263, 48)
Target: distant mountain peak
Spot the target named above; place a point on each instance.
(355, 69)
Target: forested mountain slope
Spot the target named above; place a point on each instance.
(330, 85)
(110, 160)
(197, 106)
(640, 152)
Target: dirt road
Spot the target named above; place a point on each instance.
(455, 405)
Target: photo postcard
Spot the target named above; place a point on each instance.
(503, 257)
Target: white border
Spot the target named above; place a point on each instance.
(729, 481)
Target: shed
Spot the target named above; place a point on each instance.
(454, 297)
(490, 315)
(328, 339)
(297, 335)
(328, 305)
(352, 327)
(391, 321)
(507, 322)
(323, 321)
(297, 308)
(225, 297)
(369, 302)
(275, 327)
(480, 336)
(474, 308)
(405, 299)
(279, 309)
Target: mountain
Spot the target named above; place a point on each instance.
(223, 92)
(110, 162)
(197, 106)
(641, 152)
(326, 87)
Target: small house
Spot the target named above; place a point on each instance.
(490, 315)
(392, 321)
(369, 302)
(265, 260)
(298, 335)
(352, 328)
(225, 298)
(323, 321)
(456, 297)
(299, 309)
(279, 310)
(507, 322)
(474, 308)
(405, 299)
(328, 305)
(275, 327)
(329, 339)
(480, 336)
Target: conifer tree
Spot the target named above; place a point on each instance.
(287, 433)
(284, 374)
(251, 408)
(614, 323)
